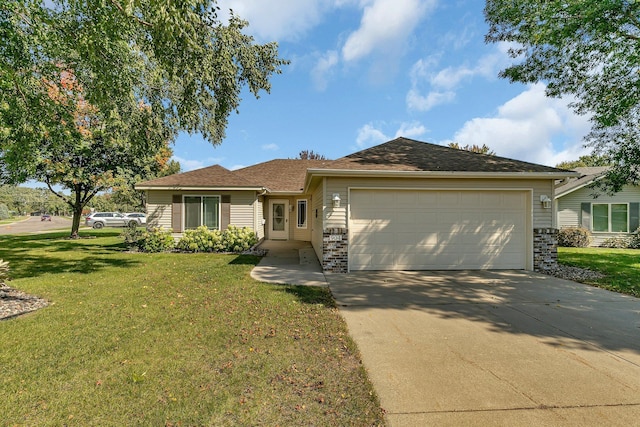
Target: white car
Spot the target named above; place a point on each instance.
(138, 217)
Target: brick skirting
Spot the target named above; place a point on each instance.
(545, 249)
(335, 250)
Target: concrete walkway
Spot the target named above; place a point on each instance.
(489, 348)
(289, 262)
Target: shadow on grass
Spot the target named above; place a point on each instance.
(245, 260)
(35, 255)
(310, 294)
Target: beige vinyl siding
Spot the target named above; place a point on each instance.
(242, 212)
(302, 234)
(258, 209)
(316, 222)
(337, 217)
(159, 208)
(569, 207)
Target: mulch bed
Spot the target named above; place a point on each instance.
(14, 302)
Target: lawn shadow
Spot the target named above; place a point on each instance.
(245, 259)
(37, 254)
(310, 294)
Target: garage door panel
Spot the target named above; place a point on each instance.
(444, 229)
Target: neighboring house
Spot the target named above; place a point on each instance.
(401, 205)
(605, 215)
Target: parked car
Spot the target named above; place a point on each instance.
(106, 219)
(138, 217)
(45, 217)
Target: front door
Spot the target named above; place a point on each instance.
(279, 219)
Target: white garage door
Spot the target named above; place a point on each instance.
(437, 230)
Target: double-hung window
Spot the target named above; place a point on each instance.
(202, 210)
(610, 217)
(302, 214)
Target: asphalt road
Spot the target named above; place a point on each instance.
(34, 225)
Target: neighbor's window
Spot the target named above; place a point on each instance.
(302, 214)
(201, 210)
(610, 217)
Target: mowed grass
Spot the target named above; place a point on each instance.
(173, 340)
(621, 267)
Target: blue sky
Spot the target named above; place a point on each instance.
(366, 71)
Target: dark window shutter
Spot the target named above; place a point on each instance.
(176, 213)
(585, 220)
(634, 216)
(225, 211)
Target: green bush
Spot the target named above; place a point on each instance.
(574, 237)
(201, 239)
(617, 242)
(4, 212)
(634, 241)
(233, 239)
(150, 240)
(4, 271)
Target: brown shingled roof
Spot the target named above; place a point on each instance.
(281, 175)
(402, 154)
(212, 176)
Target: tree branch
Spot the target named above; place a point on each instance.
(121, 9)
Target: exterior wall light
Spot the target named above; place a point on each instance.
(336, 200)
(546, 201)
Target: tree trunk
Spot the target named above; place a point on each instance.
(77, 215)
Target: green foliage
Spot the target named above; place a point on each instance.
(634, 240)
(484, 149)
(4, 212)
(233, 239)
(590, 160)
(151, 240)
(4, 271)
(574, 237)
(617, 242)
(587, 50)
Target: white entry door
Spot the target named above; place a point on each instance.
(279, 219)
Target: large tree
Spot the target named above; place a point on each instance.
(587, 49)
(141, 71)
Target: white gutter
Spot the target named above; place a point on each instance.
(435, 174)
(179, 188)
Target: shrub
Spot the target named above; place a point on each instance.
(574, 237)
(233, 239)
(4, 212)
(617, 242)
(201, 239)
(151, 240)
(634, 241)
(4, 271)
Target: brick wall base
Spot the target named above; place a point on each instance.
(545, 249)
(335, 246)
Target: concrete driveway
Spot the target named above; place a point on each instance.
(494, 348)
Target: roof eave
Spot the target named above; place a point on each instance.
(196, 188)
(438, 174)
(571, 190)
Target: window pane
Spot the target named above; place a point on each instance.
(302, 213)
(600, 217)
(210, 208)
(619, 218)
(191, 212)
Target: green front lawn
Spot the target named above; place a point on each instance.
(171, 339)
(621, 267)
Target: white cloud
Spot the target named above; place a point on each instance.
(187, 165)
(323, 69)
(530, 127)
(411, 130)
(385, 25)
(277, 19)
(270, 147)
(236, 167)
(442, 84)
(369, 135)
